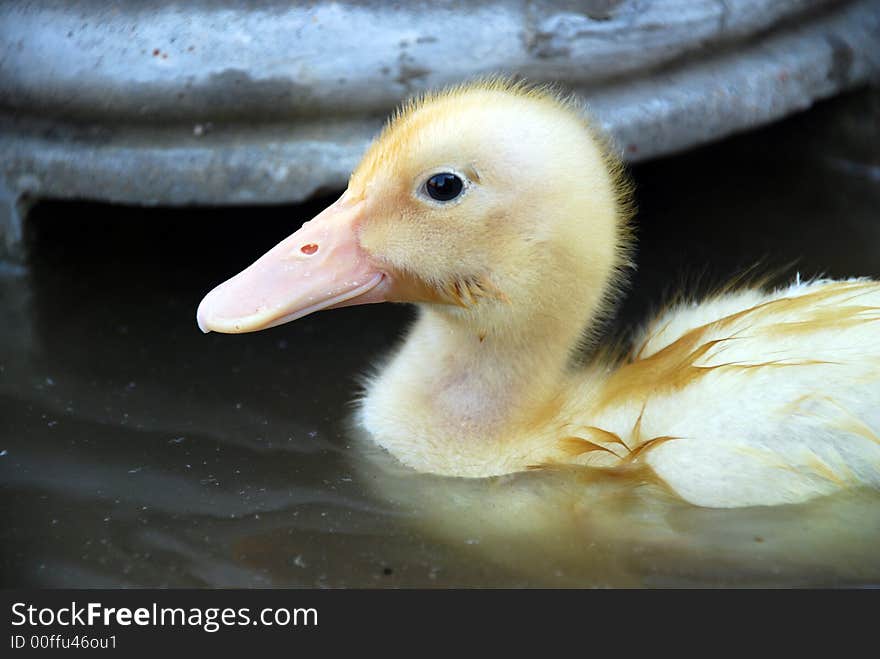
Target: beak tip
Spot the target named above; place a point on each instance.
(200, 321)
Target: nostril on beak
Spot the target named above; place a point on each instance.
(308, 249)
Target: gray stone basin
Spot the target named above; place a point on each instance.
(271, 102)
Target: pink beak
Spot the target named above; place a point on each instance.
(321, 266)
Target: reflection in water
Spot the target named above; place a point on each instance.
(586, 528)
(136, 451)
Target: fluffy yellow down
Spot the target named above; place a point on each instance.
(751, 397)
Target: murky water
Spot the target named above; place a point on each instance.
(134, 451)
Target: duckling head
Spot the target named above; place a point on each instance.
(492, 203)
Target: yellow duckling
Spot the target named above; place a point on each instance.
(496, 208)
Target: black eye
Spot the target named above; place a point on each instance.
(444, 187)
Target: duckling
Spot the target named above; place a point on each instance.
(500, 211)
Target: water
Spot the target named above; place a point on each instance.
(135, 451)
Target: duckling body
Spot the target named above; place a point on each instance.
(750, 398)
(497, 210)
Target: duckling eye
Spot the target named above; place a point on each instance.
(444, 187)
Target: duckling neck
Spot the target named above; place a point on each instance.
(456, 391)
